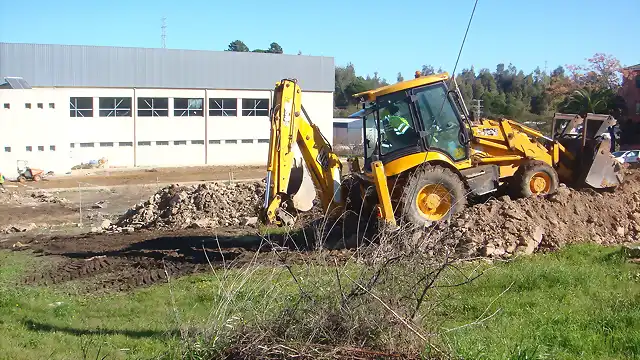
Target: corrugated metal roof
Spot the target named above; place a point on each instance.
(103, 66)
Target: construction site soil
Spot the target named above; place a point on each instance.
(163, 236)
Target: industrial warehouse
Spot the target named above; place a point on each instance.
(66, 105)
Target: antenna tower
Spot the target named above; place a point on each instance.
(163, 37)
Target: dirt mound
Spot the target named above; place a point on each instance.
(16, 198)
(502, 227)
(208, 205)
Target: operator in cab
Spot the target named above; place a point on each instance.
(397, 129)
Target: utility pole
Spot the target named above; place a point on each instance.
(163, 36)
(477, 108)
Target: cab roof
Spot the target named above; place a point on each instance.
(371, 95)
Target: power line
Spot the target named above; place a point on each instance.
(453, 74)
(465, 38)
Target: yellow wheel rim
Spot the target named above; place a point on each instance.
(540, 183)
(434, 201)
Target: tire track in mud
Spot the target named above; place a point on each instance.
(119, 274)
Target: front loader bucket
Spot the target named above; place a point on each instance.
(604, 170)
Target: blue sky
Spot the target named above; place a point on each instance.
(383, 36)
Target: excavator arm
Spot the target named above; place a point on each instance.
(290, 184)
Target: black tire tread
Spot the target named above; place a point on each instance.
(432, 174)
(520, 182)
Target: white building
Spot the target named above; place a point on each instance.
(147, 107)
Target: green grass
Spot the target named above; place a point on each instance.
(580, 303)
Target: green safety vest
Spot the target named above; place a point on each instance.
(398, 124)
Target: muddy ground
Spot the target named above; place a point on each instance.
(64, 235)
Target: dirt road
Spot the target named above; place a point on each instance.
(118, 177)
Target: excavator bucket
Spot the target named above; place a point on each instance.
(301, 188)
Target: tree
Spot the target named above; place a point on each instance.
(427, 70)
(400, 77)
(599, 101)
(274, 48)
(238, 46)
(603, 71)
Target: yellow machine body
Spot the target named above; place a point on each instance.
(489, 154)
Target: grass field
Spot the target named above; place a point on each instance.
(580, 303)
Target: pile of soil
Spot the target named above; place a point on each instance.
(207, 205)
(502, 227)
(17, 198)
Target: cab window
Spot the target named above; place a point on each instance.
(396, 123)
(440, 121)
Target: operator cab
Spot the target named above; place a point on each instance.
(412, 117)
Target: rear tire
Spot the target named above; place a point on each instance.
(22, 179)
(431, 195)
(535, 178)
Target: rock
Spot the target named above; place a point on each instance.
(499, 252)
(105, 223)
(632, 251)
(488, 250)
(203, 223)
(251, 221)
(19, 245)
(24, 228)
(620, 231)
(128, 229)
(505, 198)
(95, 229)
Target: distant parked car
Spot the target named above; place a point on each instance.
(627, 156)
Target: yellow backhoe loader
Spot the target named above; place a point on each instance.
(425, 156)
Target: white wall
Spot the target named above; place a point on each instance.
(135, 140)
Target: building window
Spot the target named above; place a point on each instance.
(81, 107)
(106, 144)
(27, 105)
(638, 108)
(162, 143)
(231, 141)
(114, 106)
(247, 141)
(7, 149)
(153, 107)
(72, 145)
(187, 107)
(197, 142)
(52, 106)
(86, 145)
(125, 143)
(7, 106)
(40, 106)
(263, 141)
(223, 107)
(144, 143)
(180, 142)
(255, 107)
(214, 142)
(29, 148)
(52, 148)
(638, 81)
(40, 148)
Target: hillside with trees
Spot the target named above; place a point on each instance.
(506, 91)
(509, 92)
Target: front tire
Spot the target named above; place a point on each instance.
(431, 195)
(535, 178)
